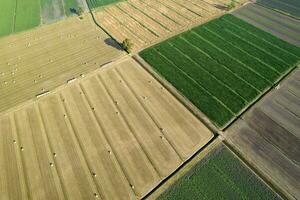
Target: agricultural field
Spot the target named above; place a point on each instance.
(16, 16)
(289, 7)
(37, 61)
(269, 136)
(219, 176)
(100, 3)
(223, 66)
(114, 134)
(280, 25)
(146, 22)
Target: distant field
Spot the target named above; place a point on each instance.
(219, 176)
(39, 60)
(148, 21)
(290, 7)
(114, 134)
(278, 24)
(223, 65)
(16, 16)
(99, 3)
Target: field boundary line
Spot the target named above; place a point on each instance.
(156, 122)
(98, 25)
(254, 35)
(174, 92)
(177, 3)
(262, 95)
(184, 168)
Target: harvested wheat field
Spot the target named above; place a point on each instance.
(37, 61)
(149, 21)
(114, 134)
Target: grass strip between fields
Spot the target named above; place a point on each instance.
(221, 67)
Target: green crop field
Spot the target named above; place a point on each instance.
(99, 3)
(219, 176)
(16, 16)
(223, 65)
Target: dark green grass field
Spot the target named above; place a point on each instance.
(100, 3)
(223, 65)
(219, 176)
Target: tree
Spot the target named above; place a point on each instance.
(231, 5)
(127, 45)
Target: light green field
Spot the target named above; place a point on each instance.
(16, 16)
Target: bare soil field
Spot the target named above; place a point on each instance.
(146, 22)
(268, 136)
(37, 61)
(114, 134)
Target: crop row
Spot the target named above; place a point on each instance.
(230, 66)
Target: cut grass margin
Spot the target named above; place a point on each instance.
(220, 70)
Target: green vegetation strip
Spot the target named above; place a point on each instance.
(100, 3)
(223, 65)
(219, 176)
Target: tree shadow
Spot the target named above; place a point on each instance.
(113, 43)
(73, 11)
(221, 7)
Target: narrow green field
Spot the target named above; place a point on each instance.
(223, 65)
(219, 176)
(7, 10)
(99, 3)
(27, 15)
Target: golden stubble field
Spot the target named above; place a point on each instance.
(39, 60)
(146, 22)
(115, 134)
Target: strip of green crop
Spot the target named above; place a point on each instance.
(100, 3)
(266, 57)
(259, 42)
(219, 176)
(234, 102)
(231, 59)
(197, 95)
(27, 14)
(272, 65)
(216, 69)
(262, 34)
(7, 18)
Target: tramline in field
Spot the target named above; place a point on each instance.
(223, 65)
(116, 134)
